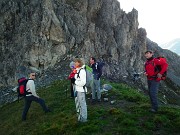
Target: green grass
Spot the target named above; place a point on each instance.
(129, 115)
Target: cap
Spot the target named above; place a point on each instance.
(149, 51)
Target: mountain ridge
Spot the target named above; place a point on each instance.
(172, 45)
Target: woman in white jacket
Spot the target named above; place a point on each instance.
(80, 90)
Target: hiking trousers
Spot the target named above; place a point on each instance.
(81, 106)
(72, 90)
(153, 86)
(28, 101)
(96, 88)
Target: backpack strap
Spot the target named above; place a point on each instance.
(96, 65)
(28, 89)
(78, 76)
(79, 71)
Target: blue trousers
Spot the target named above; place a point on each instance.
(28, 101)
(153, 86)
(96, 88)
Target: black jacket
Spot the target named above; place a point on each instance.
(97, 71)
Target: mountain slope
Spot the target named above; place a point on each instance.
(128, 115)
(173, 45)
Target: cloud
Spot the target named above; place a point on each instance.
(160, 18)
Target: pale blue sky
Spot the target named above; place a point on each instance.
(160, 18)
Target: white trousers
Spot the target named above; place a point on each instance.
(81, 106)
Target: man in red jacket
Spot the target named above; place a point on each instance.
(154, 77)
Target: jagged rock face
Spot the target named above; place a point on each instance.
(45, 34)
(41, 33)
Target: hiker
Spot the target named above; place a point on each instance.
(32, 96)
(80, 90)
(97, 72)
(71, 76)
(154, 77)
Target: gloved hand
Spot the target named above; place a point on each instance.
(73, 80)
(159, 75)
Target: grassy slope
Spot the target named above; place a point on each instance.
(129, 115)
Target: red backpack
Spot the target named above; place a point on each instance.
(22, 87)
(154, 69)
(158, 68)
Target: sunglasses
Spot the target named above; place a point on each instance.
(33, 75)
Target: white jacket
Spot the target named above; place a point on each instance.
(81, 80)
(30, 87)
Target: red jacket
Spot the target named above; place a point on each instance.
(151, 65)
(72, 74)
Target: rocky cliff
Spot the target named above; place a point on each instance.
(46, 34)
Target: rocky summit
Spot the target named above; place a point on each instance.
(45, 35)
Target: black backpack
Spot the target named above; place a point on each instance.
(22, 87)
(99, 66)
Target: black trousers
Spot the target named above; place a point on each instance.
(72, 91)
(28, 101)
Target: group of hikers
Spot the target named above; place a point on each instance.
(78, 85)
(155, 69)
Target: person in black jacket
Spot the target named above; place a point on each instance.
(96, 80)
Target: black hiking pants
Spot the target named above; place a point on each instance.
(72, 90)
(28, 101)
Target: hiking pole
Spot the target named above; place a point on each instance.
(136, 76)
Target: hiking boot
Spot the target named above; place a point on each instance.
(23, 119)
(99, 100)
(153, 110)
(83, 121)
(93, 101)
(48, 110)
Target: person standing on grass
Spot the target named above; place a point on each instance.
(32, 96)
(154, 77)
(80, 90)
(71, 77)
(97, 72)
